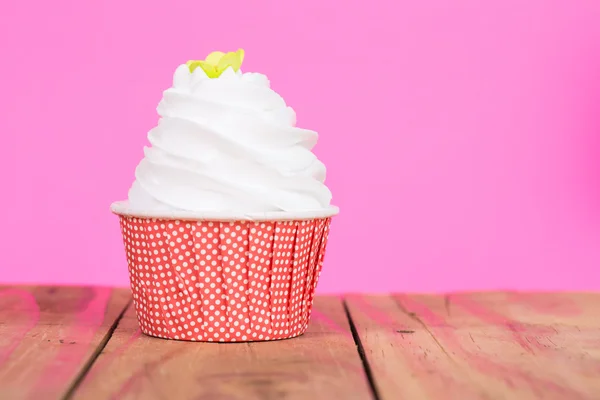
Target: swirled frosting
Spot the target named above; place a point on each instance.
(228, 144)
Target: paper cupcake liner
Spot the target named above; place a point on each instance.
(224, 281)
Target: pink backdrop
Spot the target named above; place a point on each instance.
(462, 137)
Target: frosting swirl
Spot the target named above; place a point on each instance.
(228, 144)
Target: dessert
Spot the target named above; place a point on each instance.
(226, 223)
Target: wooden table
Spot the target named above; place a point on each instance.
(84, 343)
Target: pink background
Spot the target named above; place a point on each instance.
(462, 138)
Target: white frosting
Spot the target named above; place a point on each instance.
(228, 144)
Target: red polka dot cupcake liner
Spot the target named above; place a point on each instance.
(223, 281)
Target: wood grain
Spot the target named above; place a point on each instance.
(48, 335)
(321, 364)
(405, 359)
(481, 346)
(555, 340)
(458, 346)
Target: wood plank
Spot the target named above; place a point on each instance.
(406, 361)
(48, 335)
(555, 339)
(477, 346)
(321, 364)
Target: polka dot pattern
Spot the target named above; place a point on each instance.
(314, 268)
(223, 281)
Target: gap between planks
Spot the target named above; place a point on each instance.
(480, 345)
(361, 352)
(324, 363)
(48, 334)
(86, 368)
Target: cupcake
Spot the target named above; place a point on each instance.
(226, 223)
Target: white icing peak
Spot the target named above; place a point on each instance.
(228, 144)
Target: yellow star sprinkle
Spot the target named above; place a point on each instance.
(217, 62)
